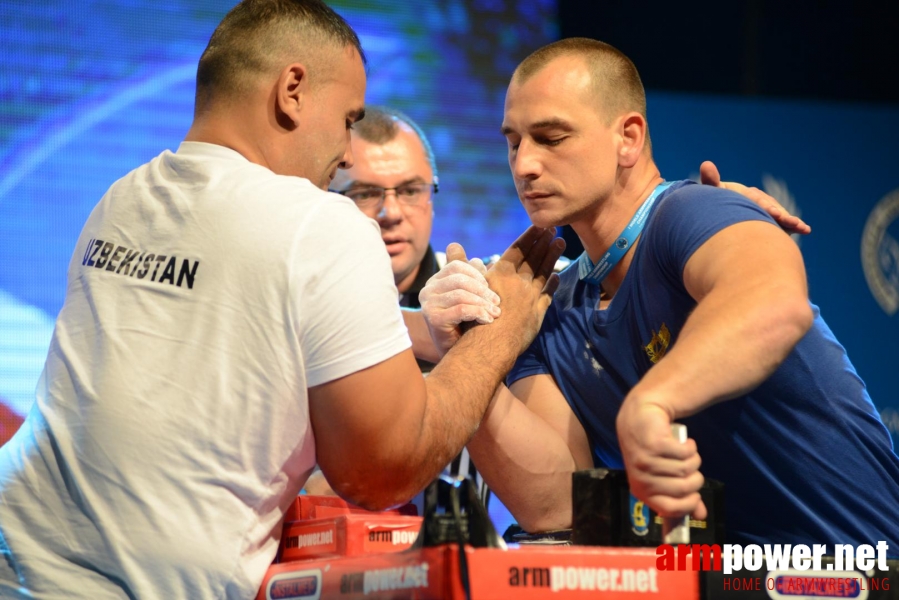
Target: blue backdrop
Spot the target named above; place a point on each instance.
(90, 90)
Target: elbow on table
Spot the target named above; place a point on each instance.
(378, 501)
(377, 489)
(539, 521)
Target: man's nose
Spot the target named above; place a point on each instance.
(347, 161)
(391, 210)
(526, 163)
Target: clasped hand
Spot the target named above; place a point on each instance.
(521, 281)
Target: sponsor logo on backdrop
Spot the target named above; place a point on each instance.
(880, 253)
(777, 189)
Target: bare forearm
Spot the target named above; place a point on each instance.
(388, 448)
(422, 345)
(459, 390)
(463, 383)
(436, 422)
(525, 463)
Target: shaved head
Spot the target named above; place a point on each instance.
(258, 38)
(615, 81)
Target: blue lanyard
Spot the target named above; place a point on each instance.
(594, 274)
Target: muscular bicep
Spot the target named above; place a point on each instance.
(748, 257)
(364, 421)
(540, 395)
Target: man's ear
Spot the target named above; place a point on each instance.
(632, 132)
(292, 91)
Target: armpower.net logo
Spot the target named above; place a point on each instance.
(790, 570)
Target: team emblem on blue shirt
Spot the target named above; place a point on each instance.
(639, 516)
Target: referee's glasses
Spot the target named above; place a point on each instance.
(370, 199)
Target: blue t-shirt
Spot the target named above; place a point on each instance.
(804, 457)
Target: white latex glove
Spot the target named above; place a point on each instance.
(457, 294)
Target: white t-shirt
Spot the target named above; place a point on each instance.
(171, 428)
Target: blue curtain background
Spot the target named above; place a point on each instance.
(90, 90)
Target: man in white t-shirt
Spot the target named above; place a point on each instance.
(227, 324)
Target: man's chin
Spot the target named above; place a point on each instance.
(546, 219)
(405, 268)
(401, 267)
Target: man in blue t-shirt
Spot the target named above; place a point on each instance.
(688, 305)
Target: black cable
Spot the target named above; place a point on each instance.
(463, 560)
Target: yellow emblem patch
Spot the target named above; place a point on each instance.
(638, 516)
(658, 345)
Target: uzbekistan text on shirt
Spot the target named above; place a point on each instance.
(128, 262)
